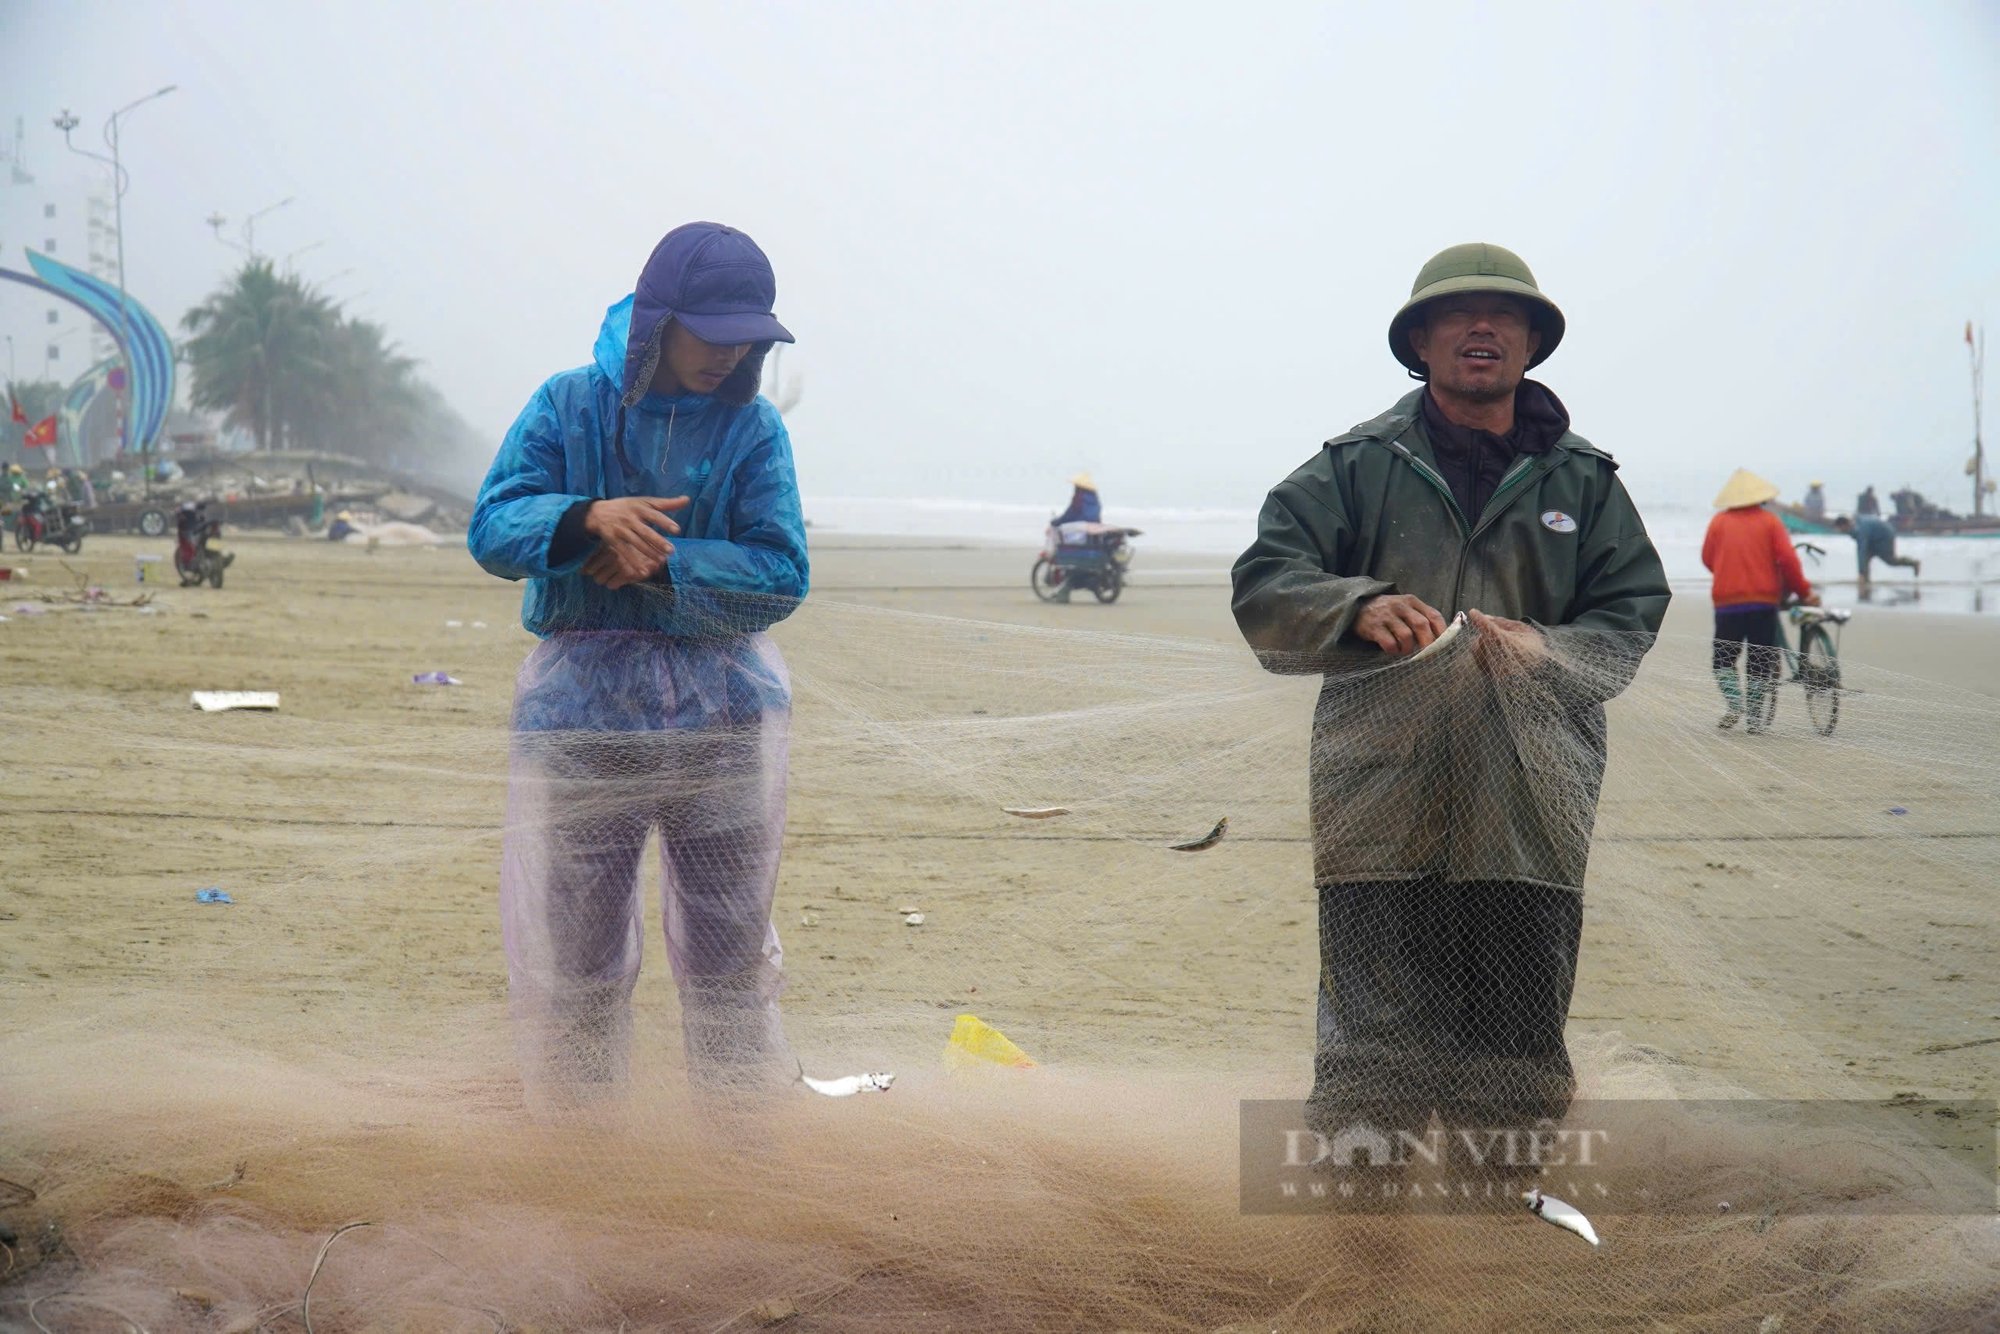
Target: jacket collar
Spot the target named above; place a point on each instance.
(1396, 424)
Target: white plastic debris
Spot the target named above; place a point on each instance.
(454, 625)
(219, 701)
(849, 1085)
(914, 919)
(1565, 1216)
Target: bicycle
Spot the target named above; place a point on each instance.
(1815, 665)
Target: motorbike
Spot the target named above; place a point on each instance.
(1082, 557)
(42, 520)
(195, 560)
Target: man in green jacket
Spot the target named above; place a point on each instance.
(1454, 775)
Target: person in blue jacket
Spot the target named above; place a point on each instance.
(1084, 506)
(650, 502)
(1875, 540)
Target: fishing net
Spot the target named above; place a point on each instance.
(1163, 945)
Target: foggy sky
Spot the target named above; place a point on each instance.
(1160, 242)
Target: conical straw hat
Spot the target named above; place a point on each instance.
(1744, 488)
(1083, 480)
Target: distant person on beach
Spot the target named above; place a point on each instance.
(1815, 506)
(1866, 503)
(1084, 505)
(1875, 539)
(649, 498)
(1750, 554)
(341, 527)
(1450, 889)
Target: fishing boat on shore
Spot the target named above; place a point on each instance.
(1914, 515)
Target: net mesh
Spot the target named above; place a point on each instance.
(856, 828)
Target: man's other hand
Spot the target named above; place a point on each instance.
(1398, 622)
(1503, 647)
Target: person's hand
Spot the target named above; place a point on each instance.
(1812, 598)
(1504, 647)
(631, 538)
(1398, 622)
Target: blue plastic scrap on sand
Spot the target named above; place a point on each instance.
(1898, 810)
(212, 896)
(435, 679)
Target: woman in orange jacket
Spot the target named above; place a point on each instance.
(1750, 554)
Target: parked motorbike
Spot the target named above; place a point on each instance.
(195, 558)
(42, 520)
(1080, 557)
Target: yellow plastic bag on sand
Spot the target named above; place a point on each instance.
(974, 1043)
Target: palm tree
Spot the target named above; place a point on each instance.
(278, 358)
(367, 405)
(260, 347)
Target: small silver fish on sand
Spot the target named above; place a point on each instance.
(1035, 812)
(1565, 1216)
(849, 1085)
(1208, 840)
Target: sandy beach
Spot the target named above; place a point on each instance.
(339, 632)
(1756, 918)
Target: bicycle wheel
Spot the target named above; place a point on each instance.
(1819, 673)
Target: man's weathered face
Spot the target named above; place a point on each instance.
(1476, 346)
(689, 365)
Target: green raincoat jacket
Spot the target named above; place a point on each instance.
(1436, 767)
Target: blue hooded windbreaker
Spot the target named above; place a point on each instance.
(739, 564)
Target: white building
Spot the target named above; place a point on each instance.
(59, 204)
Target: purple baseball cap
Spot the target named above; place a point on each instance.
(715, 281)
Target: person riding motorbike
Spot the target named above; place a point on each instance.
(1084, 504)
(194, 559)
(46, 517)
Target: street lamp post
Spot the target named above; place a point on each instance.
(216, 220)
(1979, 482)
(248, 245)
(66, 123)
(288, 266)
(250, 224)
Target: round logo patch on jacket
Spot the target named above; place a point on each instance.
(1558, 522)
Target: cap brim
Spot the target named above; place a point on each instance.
(736, 329)
(1548, 319)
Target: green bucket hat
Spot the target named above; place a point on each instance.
(1475, 268)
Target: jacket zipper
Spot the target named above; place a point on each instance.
(1429, 474)
(1468, 531)
(1522, 467)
